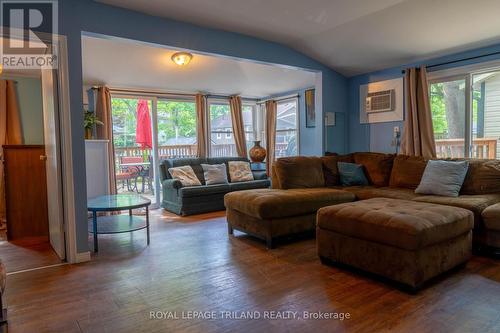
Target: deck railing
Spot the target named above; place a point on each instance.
(219, 150)
(483, 148)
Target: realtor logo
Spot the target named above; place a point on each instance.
(27, 30)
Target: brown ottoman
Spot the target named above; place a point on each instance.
(406, 241)
(271, 213)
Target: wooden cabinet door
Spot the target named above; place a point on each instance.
(26, 192)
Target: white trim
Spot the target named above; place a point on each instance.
(156, 157)
(36, 268)
(82, 257)
(66, 151)
(294, 98)
(447, 74)
(468, 115)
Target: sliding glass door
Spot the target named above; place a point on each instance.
(176, 128)
(466, 115)
(448, 117)
(486, 115)
(133, 145)
(147, 130)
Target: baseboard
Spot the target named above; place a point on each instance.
(83, 257)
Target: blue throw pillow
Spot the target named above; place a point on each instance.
(351, 174)
(443, 178)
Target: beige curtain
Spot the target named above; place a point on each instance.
(105, 132)
(238, 126)
(418, 134)
(10, 130)
(271, 113)
(201, 126)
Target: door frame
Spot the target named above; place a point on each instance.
(66, 146)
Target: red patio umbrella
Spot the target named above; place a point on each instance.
(143, 129)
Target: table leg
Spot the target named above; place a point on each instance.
(94, 224)
(147, 222)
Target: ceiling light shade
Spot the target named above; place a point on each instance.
(182, 58)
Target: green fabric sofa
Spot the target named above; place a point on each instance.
(206, 198)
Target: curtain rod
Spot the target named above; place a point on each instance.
(459, 60)
(146, 92)
(282, 98)
(158, 93)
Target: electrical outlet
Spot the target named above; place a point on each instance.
(395, 136)
(397, 132)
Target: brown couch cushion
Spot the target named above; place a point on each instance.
(270, 203)
(275, 183)
(407, 171)
(474, 203)
(378, 166)
(491, 217)
(404, 224)
(369, 192)
(483, 177)
(299, 172)
(330, 169)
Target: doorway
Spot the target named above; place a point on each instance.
(32, 228)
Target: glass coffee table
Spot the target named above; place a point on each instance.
(115, 224)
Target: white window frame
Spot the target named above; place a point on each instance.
(297, 121)
(210, 101)
(230, 134)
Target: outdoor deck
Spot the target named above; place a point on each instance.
(482, 148)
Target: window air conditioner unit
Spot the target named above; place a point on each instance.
(380, 101)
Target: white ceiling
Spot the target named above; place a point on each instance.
(125, 64)
(351, 36)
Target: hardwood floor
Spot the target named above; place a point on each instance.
(192, 265)
(21, 255)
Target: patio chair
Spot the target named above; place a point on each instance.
(129, 174)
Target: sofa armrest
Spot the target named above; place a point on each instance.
(171, 184)
(259, 175)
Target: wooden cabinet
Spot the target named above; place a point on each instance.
(26, 192)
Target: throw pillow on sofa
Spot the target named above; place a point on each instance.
(185, 174)
(240, 171)
(351, 174)
(214, 173)
(330, 170)
(443, 178)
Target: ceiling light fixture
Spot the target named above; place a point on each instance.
(182, 58)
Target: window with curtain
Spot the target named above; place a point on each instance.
(249, 117)
(287, 128)
(221, 129)
(466, 127)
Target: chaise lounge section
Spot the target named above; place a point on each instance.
(269, 214)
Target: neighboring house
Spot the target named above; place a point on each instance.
(488, 119)
(222, 128)
(179, 141)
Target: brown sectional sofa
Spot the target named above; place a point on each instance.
(296, 179)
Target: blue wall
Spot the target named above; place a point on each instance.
(377, 137)
(77, 16)
(336, 135)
